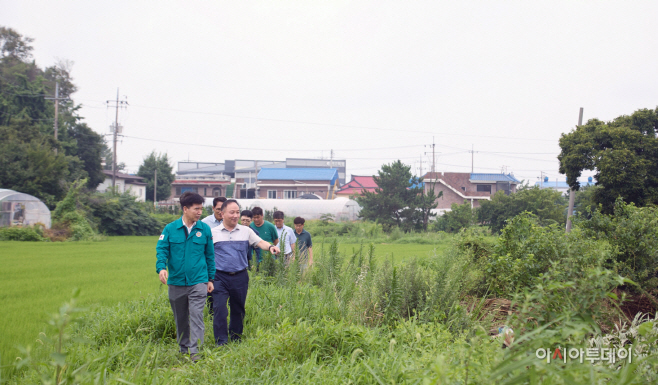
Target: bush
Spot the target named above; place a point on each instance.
(633, 233)
(123, 215)
(25, 234)
(548, 205)
(72, 214)
(459, 217)
(525, 251)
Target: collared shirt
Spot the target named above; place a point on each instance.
(187, 255)
(190, 227)
(232, 247)
(268, 232)
(211, 221)
(288, 236)
(304, 242)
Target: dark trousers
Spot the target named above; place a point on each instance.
(231, 288)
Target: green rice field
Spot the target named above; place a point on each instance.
(36, 278)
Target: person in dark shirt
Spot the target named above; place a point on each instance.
(304, 244)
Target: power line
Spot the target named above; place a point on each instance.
(333, 124)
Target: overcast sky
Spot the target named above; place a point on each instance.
(373, 80)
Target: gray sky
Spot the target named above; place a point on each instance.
(372, 80)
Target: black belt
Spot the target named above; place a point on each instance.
(230, 273)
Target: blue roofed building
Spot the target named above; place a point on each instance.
(292, 183)
(561, 185)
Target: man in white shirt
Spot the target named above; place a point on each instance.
(286, 235)
(215, 218)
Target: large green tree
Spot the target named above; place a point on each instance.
(165, 175)
(394, 201)
(31, 160)
(547, 204)
(623, 153)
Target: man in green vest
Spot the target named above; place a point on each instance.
(186, 263)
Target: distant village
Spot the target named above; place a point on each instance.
(307, 179)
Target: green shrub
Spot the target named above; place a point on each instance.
(459, 217)
(25, 234)
(123, 215)
(525, 251)
(633, 233)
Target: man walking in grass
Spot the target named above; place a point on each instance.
(185, 262)
(266, 230)
(231, 243)
(286, 235)
(304, 244)
(213, 220)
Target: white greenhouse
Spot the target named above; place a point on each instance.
(343, 209)
(19, 209)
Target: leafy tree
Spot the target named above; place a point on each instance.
(547, 204)
(29, 164)
(165, 175)
(393, 203)
(633, 234)
(459, 217)
(14, 45)
(624, 154)
(426, 202)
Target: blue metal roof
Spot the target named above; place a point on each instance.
(494, 178)
(561, 184)
(330, 174)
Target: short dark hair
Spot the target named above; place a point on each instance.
(299, 221)
(218, 199)
(247, 213)
(277, 215)
(257, 211)
(229, 201)
(190, 198)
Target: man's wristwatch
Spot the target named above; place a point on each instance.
(270, 248)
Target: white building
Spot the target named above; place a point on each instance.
(125, 183)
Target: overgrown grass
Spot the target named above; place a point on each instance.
(35, 278)
(326, 327)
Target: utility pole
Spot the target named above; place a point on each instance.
(572, 192)
(433, 145)
(331, 159)
(114, 138)
(420, 164)
(155, 186)
(472, 157)
(56, 99)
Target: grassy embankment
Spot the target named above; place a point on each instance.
(36, 278)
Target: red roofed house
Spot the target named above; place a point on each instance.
(356, 186)
(458, 187)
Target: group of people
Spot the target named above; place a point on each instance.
(208, 260)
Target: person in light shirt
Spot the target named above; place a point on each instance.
(231, 242)
(286, 234)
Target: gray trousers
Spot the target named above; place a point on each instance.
(187, 303)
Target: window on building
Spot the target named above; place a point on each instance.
(217, 192)
(484, 187)
(178, 192)
(186, 189)
(463, 188)
(271, 194)
(289, 194)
